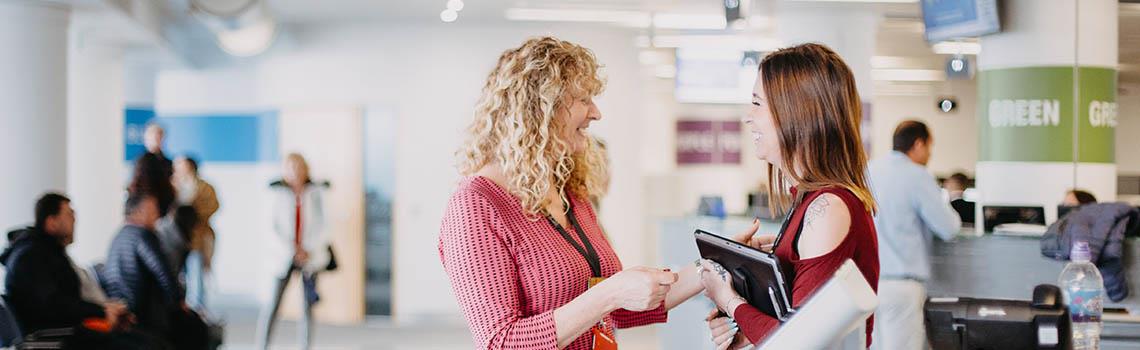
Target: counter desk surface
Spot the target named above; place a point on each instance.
(1008, 267)
(971, 265)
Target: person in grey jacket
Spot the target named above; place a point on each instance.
(911, 212)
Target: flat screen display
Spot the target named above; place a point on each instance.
(954, 19)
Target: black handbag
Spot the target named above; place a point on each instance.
(332, 261)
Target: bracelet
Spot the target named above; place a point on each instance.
(736, 301)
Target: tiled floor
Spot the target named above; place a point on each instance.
(381, 335)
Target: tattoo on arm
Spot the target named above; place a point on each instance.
(816, 210)
(721, 271)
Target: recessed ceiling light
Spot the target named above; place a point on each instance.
(250, 40)
(870, 1)
(957, 48)
(448, 15)
(908, 75)
(456, 5)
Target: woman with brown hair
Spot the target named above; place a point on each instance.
(520, 242)
(805, 123)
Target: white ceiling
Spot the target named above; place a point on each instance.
(308, 11)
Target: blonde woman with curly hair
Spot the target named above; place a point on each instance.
(528, 262)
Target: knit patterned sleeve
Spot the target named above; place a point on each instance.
(481, 267)
(629, 319)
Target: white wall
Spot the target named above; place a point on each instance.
(955, 133)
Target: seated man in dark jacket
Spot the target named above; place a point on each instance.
(43, 288)
(139, 273)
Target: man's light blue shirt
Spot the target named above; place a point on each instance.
(911, 212)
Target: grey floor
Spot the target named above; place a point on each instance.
(380, 334)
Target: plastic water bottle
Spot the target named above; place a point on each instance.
(1084, 293)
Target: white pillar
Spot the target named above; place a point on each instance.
(96, 171)
(33, 106)
(1030, 157)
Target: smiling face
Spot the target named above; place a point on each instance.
(575, 120)
(762, 126)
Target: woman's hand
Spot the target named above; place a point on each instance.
(638, 288)
(718, 286)
(750, 238)
(301, 256)
(725, 332)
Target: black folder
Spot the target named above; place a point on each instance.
(757, 276)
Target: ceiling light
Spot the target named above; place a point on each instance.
(871, 1)
(448, 15)
(634, 19)
(223, 8)
(456, 5)
(653, 57)
(733, 42)
(957, 48)
(627, 18)
(908, 75)
(688, 21)
(250, 40)
(889, 61)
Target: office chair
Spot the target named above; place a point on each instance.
(11, 336)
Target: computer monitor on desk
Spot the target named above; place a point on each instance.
(993, 215)
(834, 318)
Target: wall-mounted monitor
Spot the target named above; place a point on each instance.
(955, 19)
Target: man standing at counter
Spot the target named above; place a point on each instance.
(911, 212)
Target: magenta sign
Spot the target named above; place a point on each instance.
(708, 142)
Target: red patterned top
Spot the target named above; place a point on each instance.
(509, 273)
(860, 245)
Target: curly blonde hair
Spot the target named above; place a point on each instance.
(515, 127)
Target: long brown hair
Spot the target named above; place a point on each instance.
(816, 108)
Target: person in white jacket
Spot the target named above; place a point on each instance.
(298, 221)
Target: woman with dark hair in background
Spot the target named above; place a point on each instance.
(194, 192)
(151, 178)
(1075, 198)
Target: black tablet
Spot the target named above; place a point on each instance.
(756, 275)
